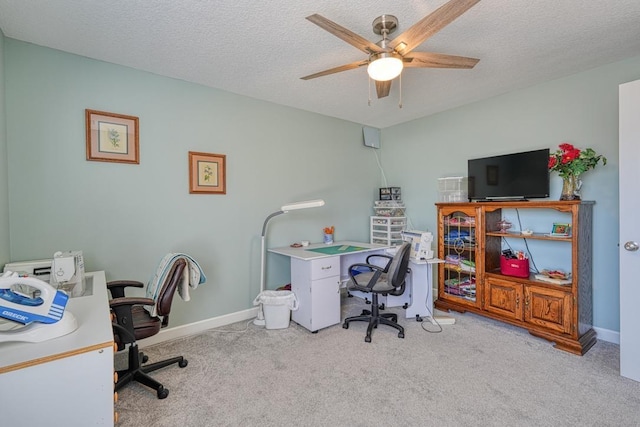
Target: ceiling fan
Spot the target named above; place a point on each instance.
(387, 58)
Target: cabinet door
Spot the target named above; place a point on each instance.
(457, 247)
(503, 297)
(549, 308)
(325, 302)
(82, 383)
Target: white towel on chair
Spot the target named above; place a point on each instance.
(192, 276)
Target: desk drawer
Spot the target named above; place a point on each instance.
(325, 267)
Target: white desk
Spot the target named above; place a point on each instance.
(67, 380)
(316, 279)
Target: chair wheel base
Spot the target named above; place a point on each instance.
(391, 278)
(183, 363)
(162, 393)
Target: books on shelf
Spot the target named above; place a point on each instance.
(558, 235)
(548, 279)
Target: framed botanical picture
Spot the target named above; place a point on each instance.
(207, 173)
(112, 137)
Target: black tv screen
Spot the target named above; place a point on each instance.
(510, 176)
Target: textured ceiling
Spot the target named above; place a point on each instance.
(261, 49)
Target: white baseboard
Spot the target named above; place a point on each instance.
(215, 322)
(198, 327)
(608, 335)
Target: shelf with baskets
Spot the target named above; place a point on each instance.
(559, 310)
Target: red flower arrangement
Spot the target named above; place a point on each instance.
(571, 161)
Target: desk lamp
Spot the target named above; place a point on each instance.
(284, 209)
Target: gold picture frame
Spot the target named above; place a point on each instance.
(207, 173)
(112, 137)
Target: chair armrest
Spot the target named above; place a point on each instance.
(130, 301)
(371, 267)
(377, 269)
(116, 287)
(122, 308)
(388, 257)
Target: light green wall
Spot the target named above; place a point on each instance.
(581, 109)
(4, 178)
(126, 217)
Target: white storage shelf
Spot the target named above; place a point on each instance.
(387, 230)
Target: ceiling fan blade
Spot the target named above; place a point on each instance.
(438, 60)
(383, 88)
(345, 67)
(429, 25)
(349, 36)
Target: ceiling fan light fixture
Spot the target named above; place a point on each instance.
(384, 67)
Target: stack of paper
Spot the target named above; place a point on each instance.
(544, 278)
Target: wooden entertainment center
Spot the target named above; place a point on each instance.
(561, 313)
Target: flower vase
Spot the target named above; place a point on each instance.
(571, 188)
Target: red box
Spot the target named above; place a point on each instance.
(514, 267)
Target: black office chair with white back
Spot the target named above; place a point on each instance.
(387, 280)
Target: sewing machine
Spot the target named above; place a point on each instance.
(67, 272)
(420, 244)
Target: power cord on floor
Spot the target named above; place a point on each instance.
(227, 331)
(430, 318)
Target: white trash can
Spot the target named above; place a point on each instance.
(276, 307)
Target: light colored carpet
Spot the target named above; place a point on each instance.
(477, 372)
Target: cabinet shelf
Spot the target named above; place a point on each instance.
(459, 270)
(535, 236)
(561, 313)
(466, 246)
(528, 280)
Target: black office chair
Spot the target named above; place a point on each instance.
(387, 280)
(132, 322)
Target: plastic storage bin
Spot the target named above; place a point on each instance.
(389, 208)
(390, 193)
(387, 230)
(514, 267)
(277, 306)
(453, 189)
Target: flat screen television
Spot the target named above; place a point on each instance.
(516, 176)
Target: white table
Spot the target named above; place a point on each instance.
(66, 380)
(316, 279)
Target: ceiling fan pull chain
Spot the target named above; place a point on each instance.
(400, 102)
(369, 103)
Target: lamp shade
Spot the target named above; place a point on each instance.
(302, 205)
(385, 67)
